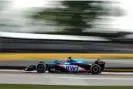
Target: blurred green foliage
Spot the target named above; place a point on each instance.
(76, 16)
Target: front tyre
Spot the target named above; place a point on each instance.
(41, 68)
(95, 69)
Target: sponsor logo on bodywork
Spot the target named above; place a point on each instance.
(72, 68)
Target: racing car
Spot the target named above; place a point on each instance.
(72, 65)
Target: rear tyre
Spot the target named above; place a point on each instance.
(41, 68)
(95, 69)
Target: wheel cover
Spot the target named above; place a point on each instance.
(41, 67)
(95, 69)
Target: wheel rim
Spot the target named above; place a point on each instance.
(95, 69)
(40, 67)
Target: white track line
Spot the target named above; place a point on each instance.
(3, 70)
(95, 78)
(115, 73)
(112, 73)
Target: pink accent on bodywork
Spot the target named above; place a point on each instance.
(80, 68)
(63, 66)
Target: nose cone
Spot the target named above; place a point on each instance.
(26, 69)
(30, 68)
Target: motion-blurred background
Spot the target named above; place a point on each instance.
(66, 17)
(109, 21)
(98, 25)
(51, 26)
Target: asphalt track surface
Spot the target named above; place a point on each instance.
(22, 77)
(109, 62)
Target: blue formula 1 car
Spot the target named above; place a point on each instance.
(72, 65)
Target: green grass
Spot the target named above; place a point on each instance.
(9, 86)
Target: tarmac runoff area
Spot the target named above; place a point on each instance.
(106, 78)
(109, 62)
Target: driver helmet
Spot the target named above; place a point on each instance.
(98, 59)
(69, 59)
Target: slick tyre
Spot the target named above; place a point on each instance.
(95, 69)
(41, 68)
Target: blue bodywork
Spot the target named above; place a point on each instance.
(69, 65)
(68, 62)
